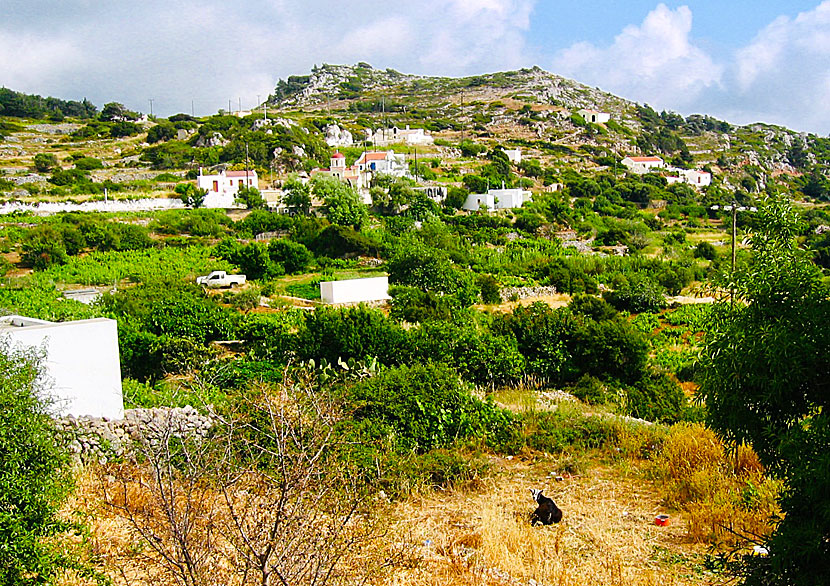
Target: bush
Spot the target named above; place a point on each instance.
(88, 163)
(354, 332)
(43, 248)
(293, 256)
(34, 478)
(424, 407)
(656, 397)
(489, 288)
(636, 295)
(706, 250)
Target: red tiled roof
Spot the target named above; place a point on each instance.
(645, 159)
(250, 173)
(338, 155)
(372, 157)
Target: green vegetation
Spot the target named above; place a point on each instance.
(35, 480)
(453, 376)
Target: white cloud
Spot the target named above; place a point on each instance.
(30, 63)
(783, 75)
(388, 37)
(211, 51)
(655, 62)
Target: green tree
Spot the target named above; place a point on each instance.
(191, 196)
(45, 162)
(34, 477)
(342, 205)
(115, 112)
(765, 380)
(251, 198)
(292, 255)
(297, 195)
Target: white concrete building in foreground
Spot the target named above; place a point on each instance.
(82, 368)
(355, 290)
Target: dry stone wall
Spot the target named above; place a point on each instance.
(519, 293)
(100, 439)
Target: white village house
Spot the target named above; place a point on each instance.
(360, 174)
(410, 136)
(82, 368)
(355, 290)
(514, 155)
(594, 116)
(693, 177)
(223, 186)
(496, 199)
(642, 165)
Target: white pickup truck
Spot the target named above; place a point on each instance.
(219, 279)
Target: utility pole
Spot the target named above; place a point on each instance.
(229, 107)
(151, 107)
(734, 208)
(462, 116)
(192, 109)
(246, 164)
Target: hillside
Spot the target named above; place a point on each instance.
(557, 341)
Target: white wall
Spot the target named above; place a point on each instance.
(501, 199)
(82, 364)
(355, 290)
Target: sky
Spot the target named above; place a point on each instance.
(743, 61)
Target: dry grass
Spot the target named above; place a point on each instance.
(724, 495)
(482, 534)
(606, 538)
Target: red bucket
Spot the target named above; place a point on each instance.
(661, 520)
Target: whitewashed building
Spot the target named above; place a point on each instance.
(410, 136)
(360, 174)
(497, 199)
(514, 155)
(642, 165)
(82, 367)
(355, 290)
(694, 177)
(594, 116)
(223, 186)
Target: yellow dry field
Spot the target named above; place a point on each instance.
(607, 536)
(482, 535)
(558, 300)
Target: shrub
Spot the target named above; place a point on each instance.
(353, 332)
(636, 295)
(424, 407)
(88, 163)
(489, 287)
(292, 255)
(706, 250)
(35, 478)
(655, 397)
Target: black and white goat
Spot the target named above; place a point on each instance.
(547, 512)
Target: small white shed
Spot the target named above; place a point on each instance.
(355, 290)
(82, 368)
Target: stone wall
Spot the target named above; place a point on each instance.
(519, 293)
(101, 439)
